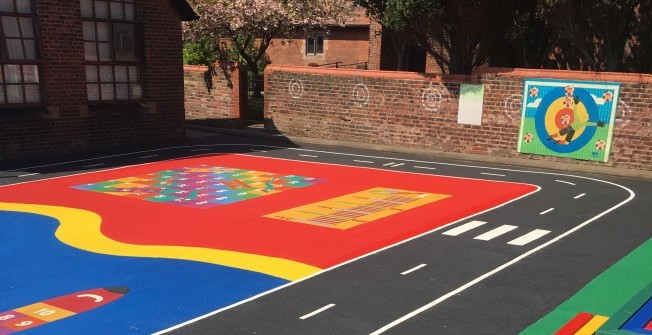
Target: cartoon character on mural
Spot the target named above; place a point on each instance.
(569, 122)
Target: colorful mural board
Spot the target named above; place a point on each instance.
(181, 261)
(565, 118)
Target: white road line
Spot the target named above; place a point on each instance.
(425, 167)
(495, 232)
(579, 196)
(413, 269)
(492, 174)
(202, 149)
(529, 237)
(388, 164)
(565, 182)
(93, 165)
(398, 164)
(547, 211)
(366, 162)
(313, 156)
(150, 156)
(317, 311)
(27, 175)
(463, 228)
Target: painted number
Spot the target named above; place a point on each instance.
(7, 317)
(44, 312)
(23, 324)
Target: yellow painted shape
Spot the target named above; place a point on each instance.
(81, 229)
(592, 326)
(349, 210)
(45, 312)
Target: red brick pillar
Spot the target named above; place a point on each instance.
(375, 45)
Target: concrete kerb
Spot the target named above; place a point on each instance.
(508, 161)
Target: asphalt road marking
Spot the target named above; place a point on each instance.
(312, 156)
(413, 269)
(393, 164)
(492, 174)
(27, 175)
(579, 196)
(425, 167)
(547, 211)
(464, 228)
(495, 232)
(317, 311)
(564, 182)
(93, 165)
(366, 162)
(150, 156)
(529, 237)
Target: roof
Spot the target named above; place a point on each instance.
(187, 13)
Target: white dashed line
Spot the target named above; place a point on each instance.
(492, 174)
(366, 162)
(150, 156)
(565, 182)
(311, 156)
(529, 237)
(579, 196)
(463, 228)
(425, 167)
(93, 165)
(495, 233)
(27, 175)
(547, 211)
(317, 311)
(413, 269)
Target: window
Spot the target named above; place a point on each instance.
(20, 83)
(315, 45)
(112, 50)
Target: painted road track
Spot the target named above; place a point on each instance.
(439, 249)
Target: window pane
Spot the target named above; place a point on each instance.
(32, 94)
(91, 74)
(2, 94)
(93, 92)
(89, 30)
(106, 73)
(103, 32)
(90, 51)
(6, 6)
(15, 48)
(122, 91)
(86, 8)
(107, 92)
(30, 49)
(30, 74)
(121, 74)
(24, 6)
(320, 44)
(12, 74)
(310, 45)
(125, 42)
(27, 27)
(15, 94)
(133, 74)
(136, 91)
(116, 11)
(129, 12)
(105, 52)
(101, 10)
(10, 26)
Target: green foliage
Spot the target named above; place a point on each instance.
(199, 53)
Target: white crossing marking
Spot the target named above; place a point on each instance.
(150, 156)
(564, 182)
(27, 175)
(495, 233)
(398, 164)
(389, 164)
(492, 174)
(93, 165)
(579, 196)
(313, 156)
(366, 162)
(425, 167)
(547, 211)
(317, 311)
(464, 228)
(529, 237)
(413, 269)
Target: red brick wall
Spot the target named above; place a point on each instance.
(223, 102)
(68, 125)
(342, 44)
(324, 103)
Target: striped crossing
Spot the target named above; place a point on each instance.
(471, 227)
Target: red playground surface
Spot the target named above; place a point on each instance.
(316, 214)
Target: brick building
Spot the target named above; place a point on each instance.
(86, 74)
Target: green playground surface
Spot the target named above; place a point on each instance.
(604, 295)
